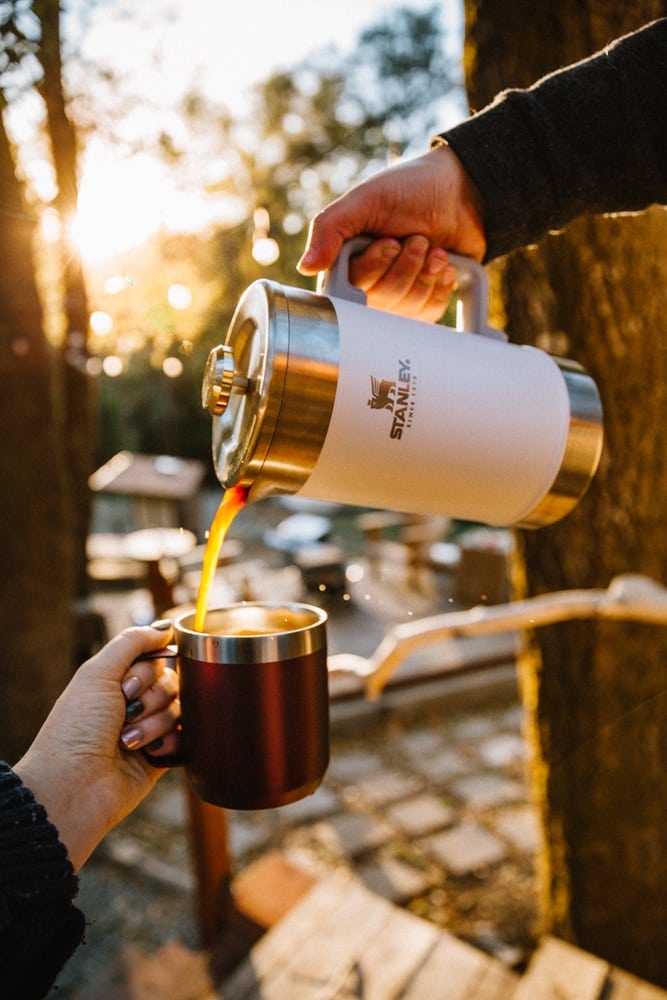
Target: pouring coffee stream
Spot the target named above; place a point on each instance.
(233, 501)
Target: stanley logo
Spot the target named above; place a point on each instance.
(384, 393)
(396, 396)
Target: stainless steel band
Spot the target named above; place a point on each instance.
(582, 452)
(273, 426)
(253, 633)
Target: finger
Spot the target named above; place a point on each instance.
(369, 267)
(322, 246)
(144, 673)
(153, 697)
(431, 291)
(165, 751)
(398, 281)
(418, 283)
(433, 309)
(139, 734)
(168, 745)
(350, 215)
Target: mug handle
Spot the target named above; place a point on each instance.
(168, 760)
(473, 287)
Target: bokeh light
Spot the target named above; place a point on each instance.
(172, 367)
(179, 296)
(112, 366)
(101, 323)
(265, 251)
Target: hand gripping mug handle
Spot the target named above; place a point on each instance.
(473, 288)
(167, 653)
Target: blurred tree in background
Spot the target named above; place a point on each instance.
(45, 447)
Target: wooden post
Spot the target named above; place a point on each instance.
(212, 862)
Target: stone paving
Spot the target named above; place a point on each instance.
(424, 809)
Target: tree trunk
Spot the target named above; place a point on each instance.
(596, 694)
(78, 386)
(35, 603)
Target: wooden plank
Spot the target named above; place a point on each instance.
(452, 971)
(391, 958)
(270, 887)
(322, 961)
(497, 983)
(310, 951)
(344, 941)
(624, 986)
(558, 969)
(276, 947)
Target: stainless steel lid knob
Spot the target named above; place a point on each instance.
(219, 380)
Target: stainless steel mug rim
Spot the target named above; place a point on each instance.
(292, 630)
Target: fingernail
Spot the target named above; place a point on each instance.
(162, 624)
(307, 260)
(155, 744)
(134, 709)
(131, 738)
(435, 266)
(390, 251)
(416, 244)
(131, 687)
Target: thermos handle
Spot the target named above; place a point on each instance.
(472, 283)
(336, 281)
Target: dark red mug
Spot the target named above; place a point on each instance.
(254, 703)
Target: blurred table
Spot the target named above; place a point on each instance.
(163, 489)
(152, 546)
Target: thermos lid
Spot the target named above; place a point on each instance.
(254, 351)
(270, 388)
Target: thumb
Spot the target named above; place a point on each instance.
(322, 247)
(363, 210)
(114, 659)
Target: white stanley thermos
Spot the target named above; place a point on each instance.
(318, 395)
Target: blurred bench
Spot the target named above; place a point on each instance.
(342, 941)
(163, 490)
(339, 941)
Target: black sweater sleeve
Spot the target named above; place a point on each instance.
(591, 138)
(39, 926)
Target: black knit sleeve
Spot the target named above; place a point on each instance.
(39, 926)
(591, 138)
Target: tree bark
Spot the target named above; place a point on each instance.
(35, 600)
(78, 386)
(596, 694)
